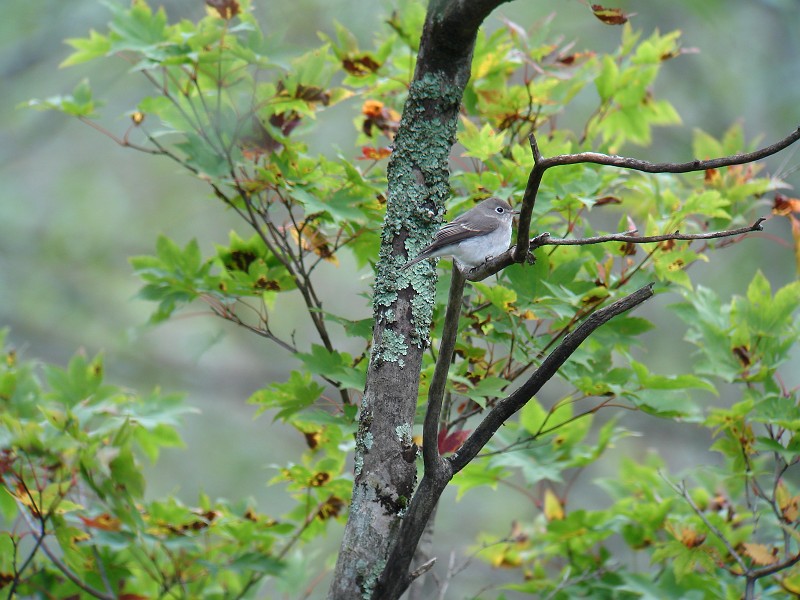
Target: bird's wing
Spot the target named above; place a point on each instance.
(457, 230)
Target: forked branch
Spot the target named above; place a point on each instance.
(397, 576)
(541, 164)
(508, 257)
(519, 397)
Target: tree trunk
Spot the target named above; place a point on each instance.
(385, 474)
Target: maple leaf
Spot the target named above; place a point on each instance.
(760, 554)
(104, 522)
(370, 153)
(450, 442)
(226, 9)
(553, 508)
(609, 16)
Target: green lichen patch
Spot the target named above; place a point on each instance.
(404, 434)
(392, 348)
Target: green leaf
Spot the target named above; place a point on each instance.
(477, 475)
(526, 279)
(334, 365)
(606, 81)
(482, 143)
(499, 296)
(86, 49)
(488, 387)
(204, 156)
(78, 104)
(532, 416)
(173, 276)
(137, 28)
(291, 397)
(676, 382)
(254, 562)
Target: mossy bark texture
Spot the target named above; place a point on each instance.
(386, 466)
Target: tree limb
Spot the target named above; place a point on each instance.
(517, 399)
(541, 164)
(508, 257)
(396, 577)
(544, 239)
(430, 446)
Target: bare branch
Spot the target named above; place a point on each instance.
(222, 311)
(422, 569)
(509, 257)
(685, 167)
(468, 14)
(430, 447)
(544, 239)
(541, 164)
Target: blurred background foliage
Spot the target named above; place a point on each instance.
(74, 207)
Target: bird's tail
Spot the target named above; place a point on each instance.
(414, 261)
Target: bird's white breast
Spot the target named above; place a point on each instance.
(475, 251)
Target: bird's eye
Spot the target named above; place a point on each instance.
(499, 210)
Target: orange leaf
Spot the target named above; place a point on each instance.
(784, 206)
(330, 508)
(570, 59)
(789, 505)
(104, 521)
(372, 108)
(760, 554)
(796, 238)
(313, 239)
(370, 153)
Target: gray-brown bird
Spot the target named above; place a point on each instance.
(474, 237)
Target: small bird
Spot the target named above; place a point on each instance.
(474, 237)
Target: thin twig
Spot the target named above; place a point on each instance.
(680, 489)
(544, 239)
(39, 537)
(509, 257)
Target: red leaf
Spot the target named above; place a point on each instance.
(570, 59)
(360, 65)
(609, 16)
(450, 442)
(226, 9)
(607, 200)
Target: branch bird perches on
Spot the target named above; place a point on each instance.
(397, 575)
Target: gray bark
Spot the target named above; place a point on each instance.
(418, 187)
